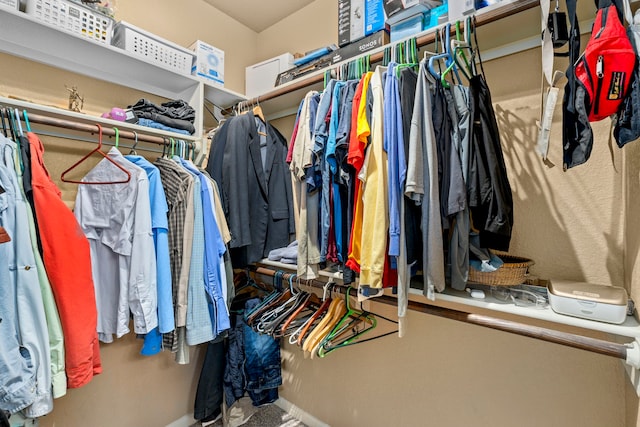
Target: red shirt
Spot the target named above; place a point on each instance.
(67, 259)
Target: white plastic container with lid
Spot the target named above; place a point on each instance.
(589, 301)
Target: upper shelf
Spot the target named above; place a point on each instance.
(22, 35)
(285, 98)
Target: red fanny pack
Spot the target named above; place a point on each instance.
(606, 66)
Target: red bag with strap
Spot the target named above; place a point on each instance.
(606, 66)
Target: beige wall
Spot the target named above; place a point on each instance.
(577, 224)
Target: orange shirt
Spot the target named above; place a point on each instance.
(67, 260)
(360, 131)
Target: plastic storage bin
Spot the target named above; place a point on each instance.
(73, 18)
(152, 48)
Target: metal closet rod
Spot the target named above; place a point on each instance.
(594, 345)
(503, 11)
(86, 127)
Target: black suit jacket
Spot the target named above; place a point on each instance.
(257, 199)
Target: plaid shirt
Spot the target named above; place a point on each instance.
(178, 188)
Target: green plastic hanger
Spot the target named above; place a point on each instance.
(117, 132)
(351, 321)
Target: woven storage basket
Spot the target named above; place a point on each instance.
(513, 271)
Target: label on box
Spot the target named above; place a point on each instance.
(368, 43)
(374, 16)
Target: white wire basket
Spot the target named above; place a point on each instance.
(152, 48)
(73, 18)
(9, 4)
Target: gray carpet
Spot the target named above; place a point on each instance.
(266, 416)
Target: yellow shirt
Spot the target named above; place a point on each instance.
(375, 223)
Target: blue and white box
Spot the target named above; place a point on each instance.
(209, 62)
(373, 16)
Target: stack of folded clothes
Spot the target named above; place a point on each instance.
(174, 116)
(287, 255)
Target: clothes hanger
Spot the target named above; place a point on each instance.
(307, 327)
(103, 154)
(4, 124)
(250, 316)
(355, 323)
(12, 126)
(135, 144)
(335, 308)
(334, 317)
(26, 120)
(257, 110)
(16, 113)
(300, 316)
(117, 137)
(449, 62)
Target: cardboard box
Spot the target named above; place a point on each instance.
(399, 10)
(261, 77)
(209, 62)
(350, 21)
(373, 17)
(407, 27)
(459, 9)
(358, 19)
(361, 46)
(354, 49)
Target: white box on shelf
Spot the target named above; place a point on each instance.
(459, 9)
(261, 77)
(209, 62)
(152, 48)
(589, 301)
(73, 18)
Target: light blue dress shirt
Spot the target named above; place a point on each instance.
(394, 146)
(160, 228)
(214, 249)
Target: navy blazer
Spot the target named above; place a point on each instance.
(257, 200)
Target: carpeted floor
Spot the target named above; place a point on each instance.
(266, 416)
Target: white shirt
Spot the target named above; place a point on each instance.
(116, 218)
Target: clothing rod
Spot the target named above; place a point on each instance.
(86, 127)
(594, 345)
(503, 11)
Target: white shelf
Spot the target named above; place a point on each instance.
(23, 36)
(630, 328)
(85, 118)
(221, 97)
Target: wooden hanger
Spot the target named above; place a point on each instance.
(103, 154)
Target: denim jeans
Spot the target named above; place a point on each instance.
(262, 363)
(234, 379)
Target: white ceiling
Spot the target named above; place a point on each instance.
(258, 14)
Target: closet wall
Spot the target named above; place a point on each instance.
(576, 225)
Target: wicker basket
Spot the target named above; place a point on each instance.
(513, 271)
